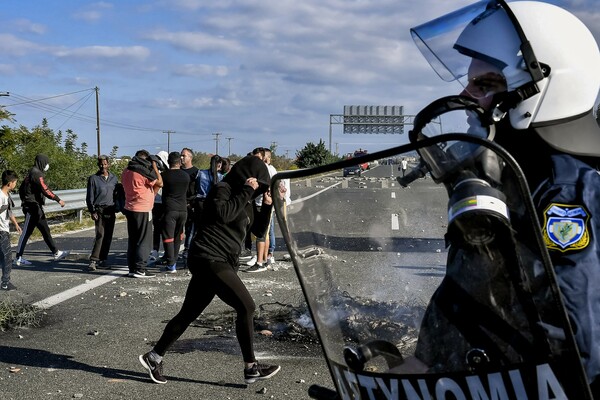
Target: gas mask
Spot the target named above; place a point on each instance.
(470, 172)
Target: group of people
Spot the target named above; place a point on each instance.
(223, 212)
(164, 197)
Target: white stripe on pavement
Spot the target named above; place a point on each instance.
(301, 199)
(77, 290)
(393, 195)
(395, 222)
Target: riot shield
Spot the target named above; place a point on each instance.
(440, 288)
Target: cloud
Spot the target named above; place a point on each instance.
(196, 42)
(137, 53)
(11, 45)
(25, 25)
(201, 70)
(168, 103)
(93, 12)
(6, 69)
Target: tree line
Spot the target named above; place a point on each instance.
(70, 163)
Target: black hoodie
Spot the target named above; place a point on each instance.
(33, 189)
(227, 213)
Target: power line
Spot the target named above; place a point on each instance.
(40, 104)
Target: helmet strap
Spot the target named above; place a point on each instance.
(506, 101)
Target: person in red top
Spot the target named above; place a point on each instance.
(33, 193)
(141, 180)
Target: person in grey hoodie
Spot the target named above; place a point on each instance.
(33, 193)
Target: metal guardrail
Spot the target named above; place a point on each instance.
(74, 201)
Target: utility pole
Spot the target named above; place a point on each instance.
(216, 135)
(168, 140)
(97, 120)
(229, 139)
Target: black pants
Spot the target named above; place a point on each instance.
(190, 228)
(35, 218)
(157, 216)
(172, 233)
(139, 241)
(105, 226)
(212, 279)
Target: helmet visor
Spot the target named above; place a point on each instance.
(477, 45)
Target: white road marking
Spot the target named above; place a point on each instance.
(395, 222)
(301, 199)
(77, 290)
(393, 195)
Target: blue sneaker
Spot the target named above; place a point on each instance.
(171, 269)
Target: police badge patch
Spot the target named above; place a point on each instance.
(565, 227)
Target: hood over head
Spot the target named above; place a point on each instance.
(41, 160)
(164, 157)
(249, 167)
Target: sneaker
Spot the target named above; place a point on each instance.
(256, 268)
(246, 255)
(7, 286)
(21, 261)
(183, 255)
(172, 269)
(153, 256)
(252, 261)
(154, 368)
(92, 266)
(141, 274)
(102, 265)
(59, 255)
(270, 260)
(259, 372)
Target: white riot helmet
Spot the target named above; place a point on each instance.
(542, 66)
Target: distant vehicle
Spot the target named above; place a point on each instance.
(353, 170)
(359, 168)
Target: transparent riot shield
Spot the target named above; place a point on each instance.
(441, 289)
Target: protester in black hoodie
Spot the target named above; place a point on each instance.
(213, 262)
(33, 192)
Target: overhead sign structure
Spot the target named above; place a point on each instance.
(374, 119)
(370, 120)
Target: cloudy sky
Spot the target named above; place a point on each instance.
(256, 72)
